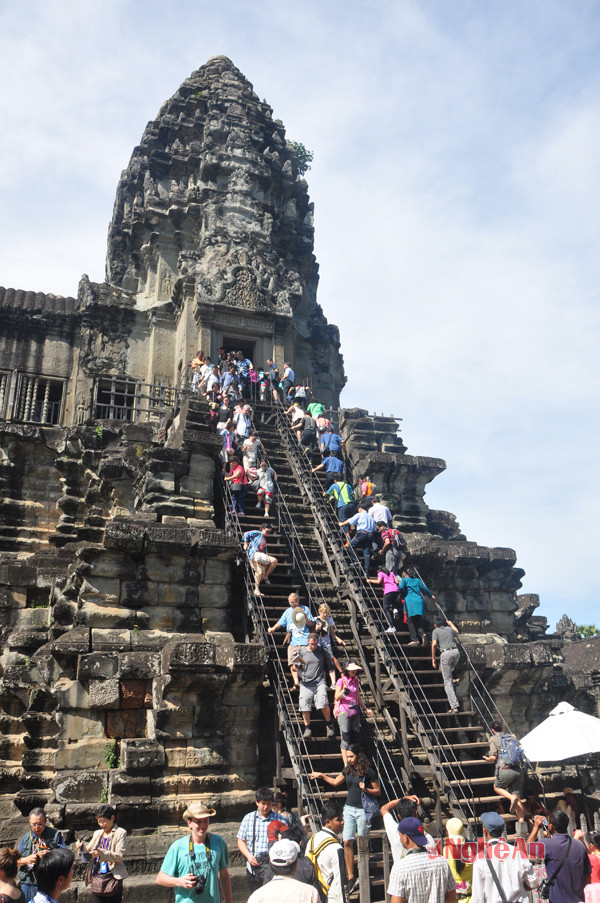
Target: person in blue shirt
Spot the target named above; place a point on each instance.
(263, 564)
(244, 365)
(289, 377)
(296, 636)
(412, 588)
(195, 863)
(366, 529)
(331, 444)
(330, 465)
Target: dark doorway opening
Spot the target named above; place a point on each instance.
(231, 343)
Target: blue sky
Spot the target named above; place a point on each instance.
(456, 183)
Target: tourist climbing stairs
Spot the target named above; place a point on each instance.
(445, 749)
(300, 569)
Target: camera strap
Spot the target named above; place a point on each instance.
(193, 852)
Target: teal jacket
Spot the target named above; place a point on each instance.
(412, 589)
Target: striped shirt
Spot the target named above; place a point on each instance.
(421, 878)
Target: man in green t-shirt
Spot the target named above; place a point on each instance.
(197, 860)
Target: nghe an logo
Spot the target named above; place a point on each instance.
(469, 851)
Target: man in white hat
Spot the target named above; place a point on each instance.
(195, 863)
(283, 887)
(297, 632)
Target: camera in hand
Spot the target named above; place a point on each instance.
(345, 692)
(544, 889)
(200, 883)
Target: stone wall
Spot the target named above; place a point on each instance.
(120, 679)
(477, 587)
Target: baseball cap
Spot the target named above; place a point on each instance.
(284, 852)
(413, 827)
(492, 822)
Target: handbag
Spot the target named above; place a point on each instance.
(370, 805)
(105, 885)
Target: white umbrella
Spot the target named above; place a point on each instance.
(564, 734)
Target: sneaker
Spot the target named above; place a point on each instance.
(391, 630)
(258, 507)
(330, 732)
(395, 612)
(307, 735)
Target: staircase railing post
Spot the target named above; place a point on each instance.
(364, 880)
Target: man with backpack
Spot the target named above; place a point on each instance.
(327, 854)
(393, 548)
(510, 767)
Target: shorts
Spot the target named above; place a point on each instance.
(316, 696)
(510, 779)
(293, 651)
(355, 822)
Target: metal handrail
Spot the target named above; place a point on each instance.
(390, 779)
(398, 665)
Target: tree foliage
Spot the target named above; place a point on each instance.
(587, 630)
(305, 157)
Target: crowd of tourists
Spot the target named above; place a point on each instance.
(280, 855)
(287, 862)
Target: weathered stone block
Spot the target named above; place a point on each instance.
(27, 639)
(142, 755)
(111, 639)
(98, 665)
(139, 664)
(201, 756)
(125, 788)
(202, 466)
(80, 727)
(175, 594)
(182, 656)
(104, 694)
(46, 665)
(251, 654)
(74, 756)
(36, 759)
(175, 721)
(115, 565)
(217, 571)
(124, 536)
(105, 616)
(126, 724)
(175, 754)
(161, 619)
(80, 786)
(105, 588)
(216, 618)
(138, 594)
(136, 694)
(73, 642)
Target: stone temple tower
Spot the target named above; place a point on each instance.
(212, 236)
(210, 245)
